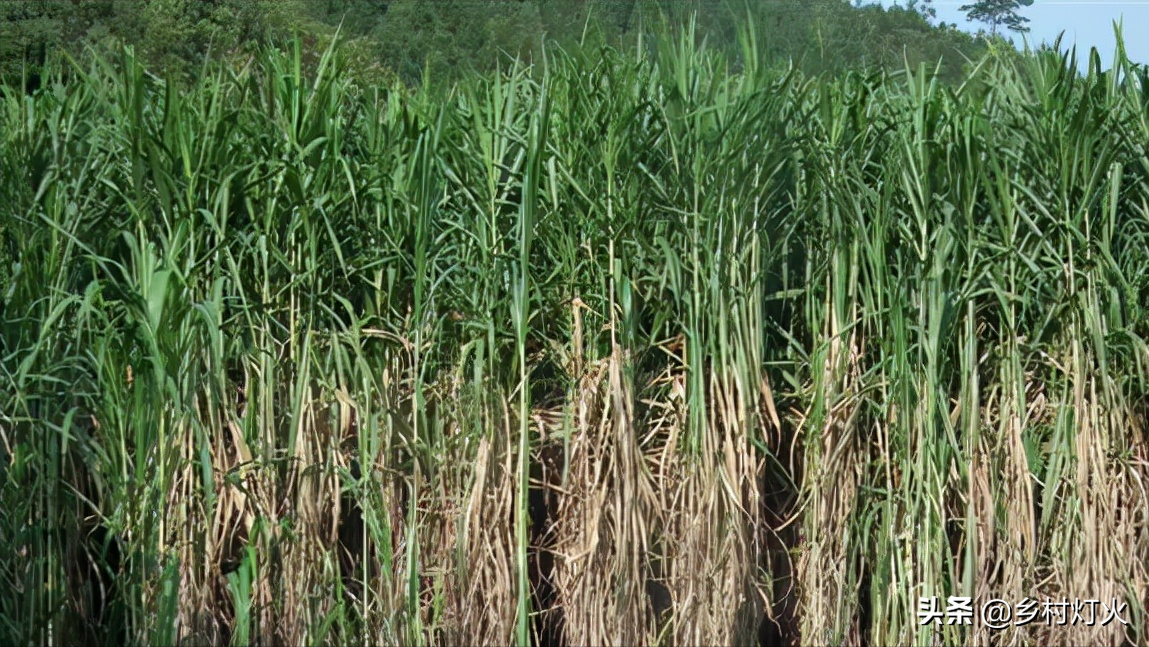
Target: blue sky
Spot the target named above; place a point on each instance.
(1088, 23)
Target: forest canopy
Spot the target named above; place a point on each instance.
(414, 39)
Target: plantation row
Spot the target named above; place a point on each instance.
(622, 348)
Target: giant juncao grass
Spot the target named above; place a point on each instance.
(620, 348)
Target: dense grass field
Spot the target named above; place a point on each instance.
(621, 348)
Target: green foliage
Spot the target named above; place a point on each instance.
(173, 36)
(221, 295)
(28, 30)
(409, 39)
(999, 13)
(418, 37)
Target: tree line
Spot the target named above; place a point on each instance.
(419, 41)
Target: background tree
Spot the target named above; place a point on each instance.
(997, 13)
(924, 7)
